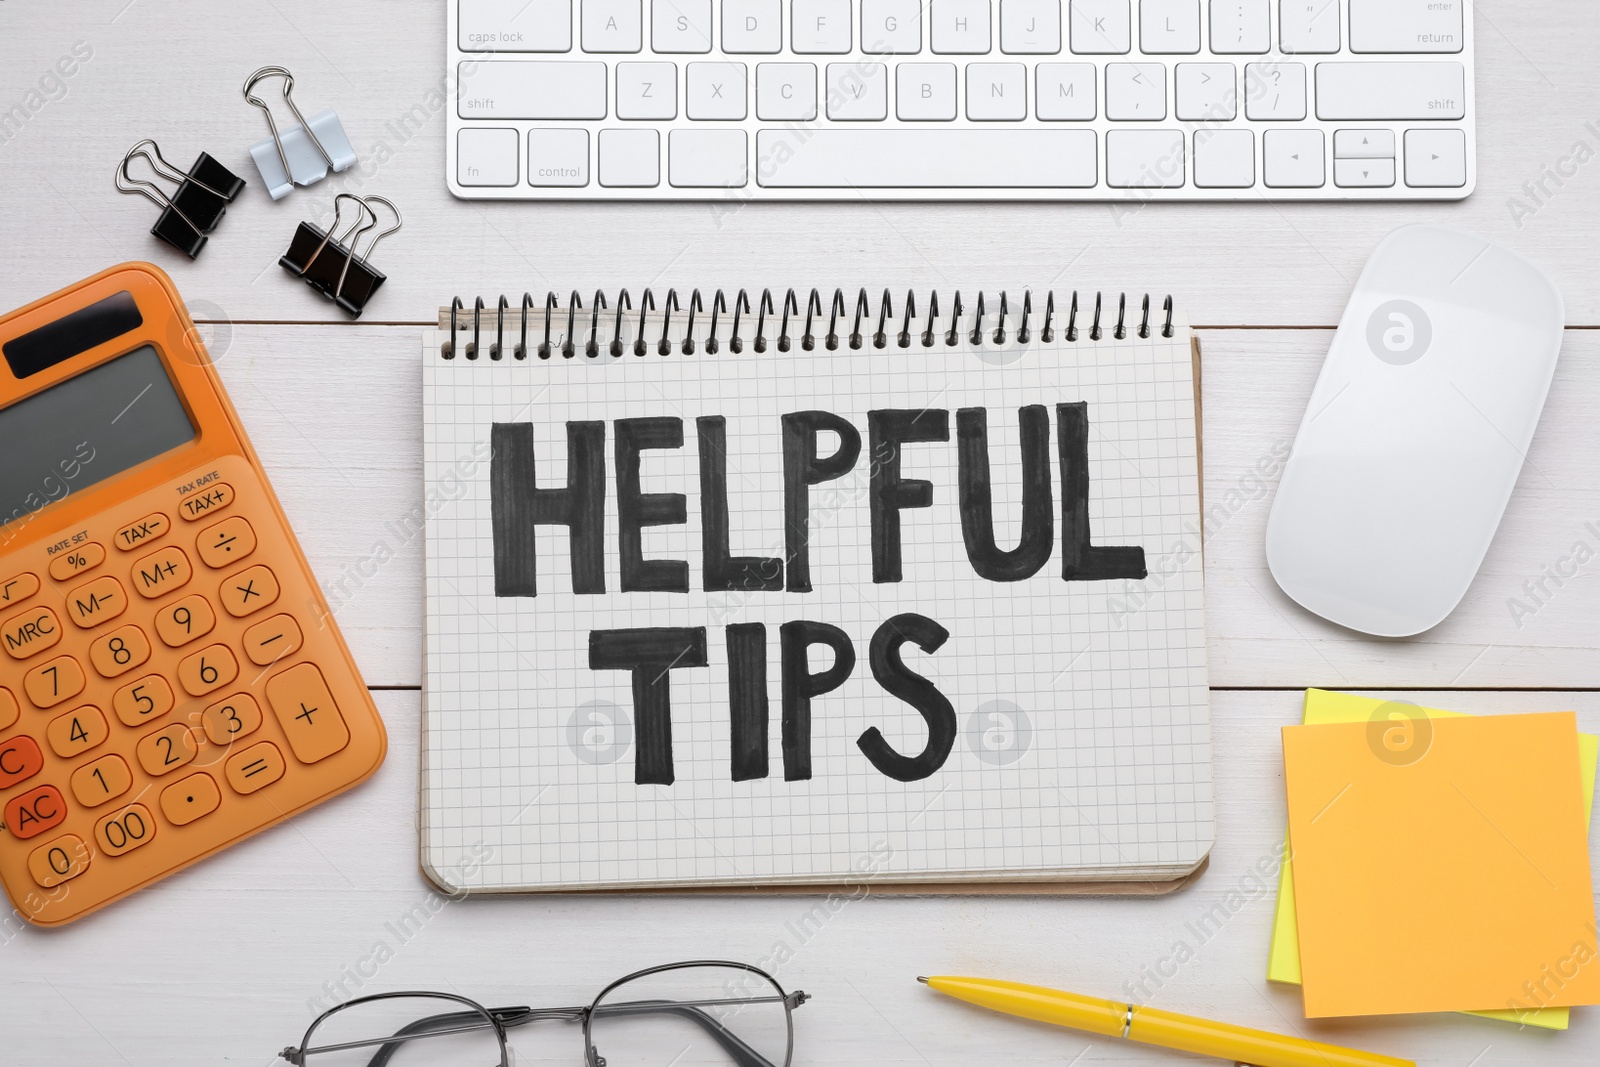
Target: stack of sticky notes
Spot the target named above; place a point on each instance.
(1437, 861)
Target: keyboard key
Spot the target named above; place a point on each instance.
(1207, 92)
(10, 711)
(32, 813)
(858, 92)
(555, 157)
(123, 831)
(647, 91)
(161, 572)
(707, 159)
(960, 27)
(532, 89)
(1030, 27)
(1363, 144)
(889, 158)
(681, 26)
(630, 158)
(74, 561)
(1363, 173)
(1100, 27)
(1436, 159)
(819, 27)
(101, 781)
(305, 709)
(269, 641)
(1309, 27)
(1065, 91)
(207, 670)
(715, 91)
(211, 498)
(191, 798)
(1240, 28)
(227, 721)
(167, 749)
(255, 768)
(1275, 92)
(925, 92)
(514, 25)
(487, 157)
(1169, 27)
(1399, 26)
(77, 731)
(95, 602)
(1144, 159)
(57, 861)
(752, 26)
(18, 587)
(1136, 91)
(50, 683)
(135, 534)
(786, 92)
(226, 542)
(253, 589)
(20, 759)
(119, 651)
(30, 632)
(1422, 90)
(612, 26)
(891, 27)
(187, 620)
(1294, 159)
(142, 700)
(997, 91)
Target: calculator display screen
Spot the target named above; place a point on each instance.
(86, 429)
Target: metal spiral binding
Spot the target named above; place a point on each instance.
(1008, 326)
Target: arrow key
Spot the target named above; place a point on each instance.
(1363, 144)
(1294, 159)
(1363, 173)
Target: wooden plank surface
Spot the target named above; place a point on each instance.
(225, 962)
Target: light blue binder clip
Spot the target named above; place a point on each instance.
(302, 154)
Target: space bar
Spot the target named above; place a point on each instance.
(800, 158)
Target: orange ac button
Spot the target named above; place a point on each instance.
(211, 498)
(32, 813)
(95, 602)
(60, 860)
(30, 632)
(20, 759)
(76, 560)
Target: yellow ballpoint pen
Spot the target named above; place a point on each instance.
(1151, 1026)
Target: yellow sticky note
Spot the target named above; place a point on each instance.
(1439, 865)
(1322, 706)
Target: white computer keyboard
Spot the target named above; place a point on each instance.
(960, 99)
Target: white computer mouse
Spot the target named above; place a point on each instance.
(1416, 431)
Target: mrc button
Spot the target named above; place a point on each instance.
(30, 632)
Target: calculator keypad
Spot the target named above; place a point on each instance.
(169, 723)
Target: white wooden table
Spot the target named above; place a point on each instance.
(225, 962)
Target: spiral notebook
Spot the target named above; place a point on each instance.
(813, 591)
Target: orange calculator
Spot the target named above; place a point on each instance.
(171, 680)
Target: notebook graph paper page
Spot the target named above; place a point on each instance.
(1081, 737)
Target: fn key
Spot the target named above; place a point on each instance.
(307, 713)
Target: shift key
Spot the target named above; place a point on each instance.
(1367, 91)
(531, 89)
(305, 709)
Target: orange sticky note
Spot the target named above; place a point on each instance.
(1439, 866)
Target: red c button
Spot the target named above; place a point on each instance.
(39, 809)
(20, 759)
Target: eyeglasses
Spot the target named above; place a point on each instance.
(702, 1013)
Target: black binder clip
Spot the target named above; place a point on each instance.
(193, 210)
(331, 264)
